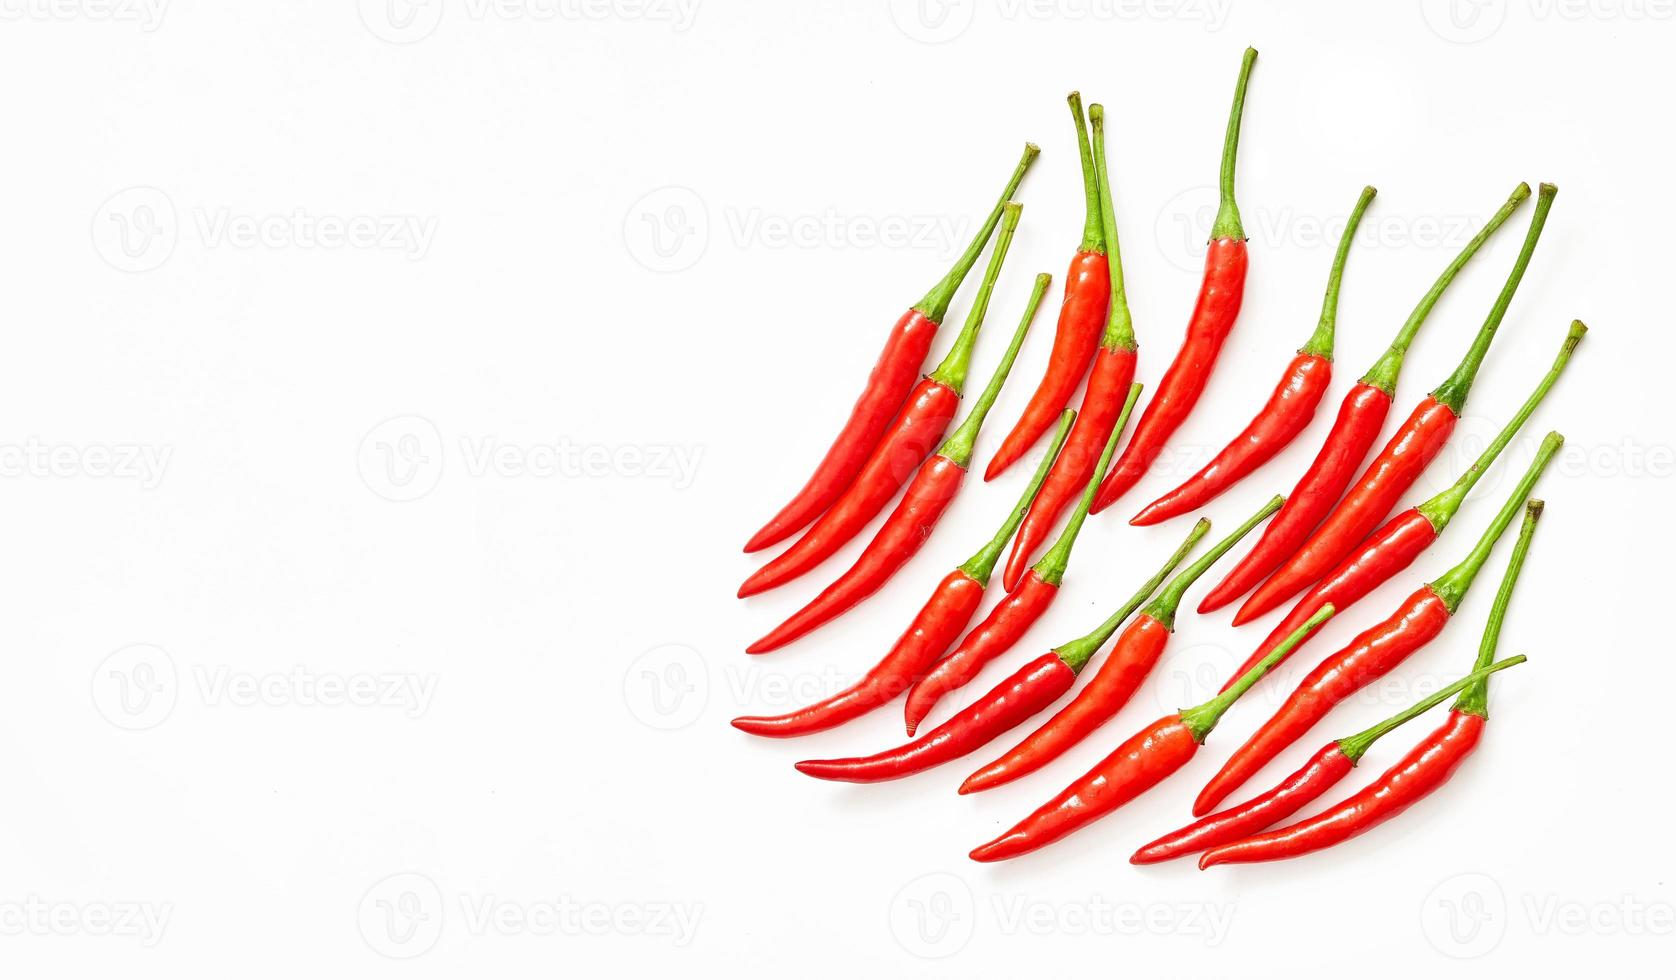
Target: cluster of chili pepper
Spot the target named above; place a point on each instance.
(1333, 539)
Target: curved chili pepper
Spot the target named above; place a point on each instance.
(908, 527)
(1024, 604)
(1360, 417)
(1140, 763)
(1131, 660)
(903, 448)
(1401, 539)
(1028, 690)
(1214, 312)
(1402, 460)
(1114, 369)
(1289, 409)
(887, 387)
(1323, 770)
(935, 626)
(1426, 766)
(1078, 332)
(1371, 655)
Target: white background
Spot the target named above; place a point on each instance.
(626, 253)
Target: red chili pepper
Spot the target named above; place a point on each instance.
(935, 626)
(1114, 369)
(887, 387)
(931, 491)
(1426, 767)
(1360, 417)
(1371, 655)
(1218, 305)
(1131, 659)
(1289, 409)
(1030, 688)
(903, 448)
(1009, 620)
(1402, 460)
(1138, 764)
(1401, 539)
(1084, 308)
(1323, 770)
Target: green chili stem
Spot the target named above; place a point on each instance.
(1383, 374)
(1050, 568)
(1357, 745)
(1475, 700)
(1093, 232)
(1228, 213)
(1119, 334)
(1452, 585)
(1163, 608)
(958, 447)
(1200, 720)
(981, 565)
(1321, 342)
(1441, 509)
(1076, 653)
(952, 371)
(935, 305)
(1453, 391)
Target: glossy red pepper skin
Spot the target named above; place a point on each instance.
(1426, 767)
(910, 439)
(1132, 658)
(1030, 689)
(1288, 411)
(1369, 656)
(1114, 371)
(1005, 625)
(1319, 774)
(1360, 417)
(1137, 765)
(887, 388)
(935, 626)
(888, 384)
(903, 533)
(1214, 313)
(1081, 317)
(1413, 446)
(1388, 551)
